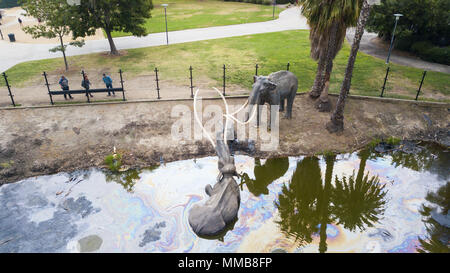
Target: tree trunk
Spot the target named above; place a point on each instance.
(325, 203)
(318, 82)
(112, 45)
(63, 50)
(323, 104)
(337, 118)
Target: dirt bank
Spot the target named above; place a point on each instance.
(38, 141)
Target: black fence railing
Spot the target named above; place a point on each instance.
(225, 71)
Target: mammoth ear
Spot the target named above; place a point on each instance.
(255, 78)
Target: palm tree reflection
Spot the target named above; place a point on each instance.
(307, 206)
(437, 223)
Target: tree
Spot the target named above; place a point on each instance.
(422, 21)
(309, 204)
(337, 118)
(111, 15)
(54, 15)
(328, 20)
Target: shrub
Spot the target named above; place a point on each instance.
(429, 52)
(114, 162)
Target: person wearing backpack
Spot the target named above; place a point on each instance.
(85, 83)
(64, 83)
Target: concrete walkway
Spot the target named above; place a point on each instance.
(14, 53)
(369, 45)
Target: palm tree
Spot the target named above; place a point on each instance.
(297, 204)
(328, 20)
(337, 119)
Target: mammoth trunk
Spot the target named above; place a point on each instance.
(253, 101)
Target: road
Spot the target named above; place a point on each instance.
(14, 53)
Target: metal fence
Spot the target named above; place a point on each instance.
(191, 80)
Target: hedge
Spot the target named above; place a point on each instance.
(429, 52)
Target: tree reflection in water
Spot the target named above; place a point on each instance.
(307, 205)
(437, 222)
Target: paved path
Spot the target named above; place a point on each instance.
(369, 46)
(14, 53)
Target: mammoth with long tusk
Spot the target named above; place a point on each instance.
(274, 89)
(221, 209)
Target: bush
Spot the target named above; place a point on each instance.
(427, 51)
(114, 162)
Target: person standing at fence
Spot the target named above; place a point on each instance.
(108, 82)
(20, 22)
(86, 84)
(64, 83)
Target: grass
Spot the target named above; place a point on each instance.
(272, 51)
(187, 14)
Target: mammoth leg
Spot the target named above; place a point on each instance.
(282, 105)
(290, 102)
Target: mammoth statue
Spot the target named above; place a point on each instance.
(221, 209)
(274, 89)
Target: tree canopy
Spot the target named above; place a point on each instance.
(423, 20)
(54, 15)
(111, 15)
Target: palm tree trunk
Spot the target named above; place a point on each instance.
(337, 118)
(325, 203)
(319, 81)
(323, 104)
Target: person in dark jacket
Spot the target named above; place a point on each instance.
(86, 84)
(108, 82)
(64, 83)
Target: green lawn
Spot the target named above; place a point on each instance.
(271, 51)
(187, 14)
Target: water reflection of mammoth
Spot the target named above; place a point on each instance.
(265, 174)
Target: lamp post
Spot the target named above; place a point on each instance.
(273, 12)
(165, 15)
(397, 17)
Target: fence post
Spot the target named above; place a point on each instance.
(385, 80)
(256, 72)
(192, 87)
(157, 82)
(121, 83)
(48, 87)
(288, 66)
(9, 89)
(224, 79)
(421, 83)
(87, 94)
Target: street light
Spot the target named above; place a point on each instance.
(273, 13)
(397, 17)
(165, 15)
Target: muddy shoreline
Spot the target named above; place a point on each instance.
(42, 141)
